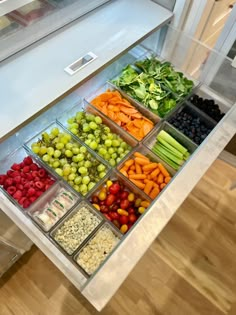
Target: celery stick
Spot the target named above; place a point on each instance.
(168, 154)
(165, 159)
(170, 148)
(164, 148)
(186, 155)
(165, 136)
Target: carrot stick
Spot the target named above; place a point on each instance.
(160, 178)
(122, 171)
(163, 170)
(138, 168)
(150, 167)
(154, 192)
(141, 161)
(131, 172)
(137, 154)
(148, 187)
(132, 167)
(162, 185)
(155, 172)
(128, 163)
(167, 179)
(138, 183)
(138, 176)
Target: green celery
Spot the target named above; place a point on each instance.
(169, 155)
(165, 136)
(160, 146)
(171, 148)
(166, 159)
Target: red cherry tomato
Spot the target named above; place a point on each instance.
(114, 207)
(110, 199)
(114, 188)
(124, 204)
(131, 210)
(107, 216)
(114, 215)
(116, 223)
(123, 219)
(132, 218)
(104, 208)
(124, 195)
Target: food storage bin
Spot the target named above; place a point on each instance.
(194, 112)
(141, 149)
(141, 109)
(57, 234)
(57, 201)
(115, 129)
(69, 159)
(94, 255)
(17, 157)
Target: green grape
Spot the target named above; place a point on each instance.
(70, 120)
(78, 180)
(74, 125)
(42, 151)
(63, 162)
(79, 115)
(88, 141)
(83, 149)
(91, 136)
(126, 151)
(46, 158)
(107, 129)
(93, 145)
(114, 156)
(80, 157)
(102, 174)
(110, 136)
(68, 136)
(57, 153)
(91, 185)
(69, 146)
(81, 163)
(73, 169)
(83, 189)
(56, 164)
(102, 151)
(101, 168)
(70, 182)
(83, 170)
(68, 153)
(93, 125)
(76, 187)
(112, 162)
(120, 150)
(107, 156)
(45, 137)
(98, 120)
(86, 180)
(108, 143)
(50, 151)
(123, 145)
(64, 140)
(59, 171)
(118, 160)
(86, 127)
(66, 170)
(74, 131)
(75, 150)
(87, 164)
(89, 117)
(55, 131)
(116, 143)
(36, 149)
(111, 150)
(72, 177)
(59, 146)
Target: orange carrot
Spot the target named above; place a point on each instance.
(155, 172)
(150, 167)
(138, 168)
(167, 179)
(128, 163)
(163, 170)
(122, 171)
(137, 154)
(141, 161)
(132, 167)
(138, 176)
(148, 187)
(138, 183)
(154, 192)
(131, 172)
(160, 178)
(162, 185)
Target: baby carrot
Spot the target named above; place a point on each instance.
(137, 154)
(167, 179)
(148, 187)
(163, 170)
(141, 161)
(162, 185)
(138, 176)
(155, 172)
(154, 192)
(131, 172)
(128, 163)
(138, 183)
(150, 166)
(160, 178)
(132, 167)
(123, 172)
(138, 168)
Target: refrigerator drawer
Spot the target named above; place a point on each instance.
(99, 287)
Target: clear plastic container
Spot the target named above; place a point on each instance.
(153, 158)
(115, 129)
(140, 108)
(91, 172)
(196, 113)
(208, 94)
(70, 220)
(100, 254)
(57, 201)
(17, 157)
(172, 131)
(113, 176)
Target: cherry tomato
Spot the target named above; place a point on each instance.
(104, 208)
(114, 188)
(131, 210)
(124, 195)
(116, 223)
(107, 216)
(132, 218)
(114, 207)
(110, 199)
(95, 199)
(114, 215)
(124, 204)
(102, 195)
(123, 219)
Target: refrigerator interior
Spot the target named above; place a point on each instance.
(104, 282)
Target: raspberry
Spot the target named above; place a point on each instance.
(31, 192)
(9, 173)
(29, 176)
(8, 182)
(22, 200)
(42, 173)
(19, 187)
(17, 195)
(26, 204)
(34, 167)
(27, 160)
(17, 179)
(15, 167)
(11, 190)
(39, 185)
(26, 169)
(23, 180)
(2, 179)
(32, 199)
(22, 164)
(15, 173)
(35, 173)
(38, 193)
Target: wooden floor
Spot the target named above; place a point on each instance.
(190, 269)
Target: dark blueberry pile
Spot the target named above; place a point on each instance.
(207, 106)
(191, 126)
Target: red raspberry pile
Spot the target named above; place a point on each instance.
(26, 181)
